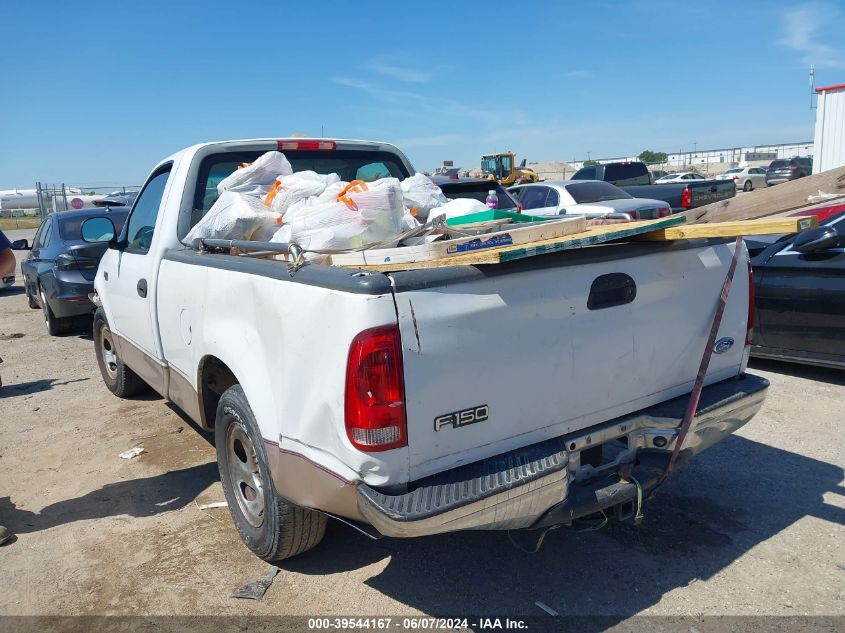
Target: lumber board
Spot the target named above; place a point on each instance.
(765, 226)
(591, 236)
(770, 200)
(446, 249)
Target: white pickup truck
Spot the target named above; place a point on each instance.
(518, 395)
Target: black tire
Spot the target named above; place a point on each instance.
(55, 325)
(32, 301)
(272, 528)
(748, 186)
(120, 380)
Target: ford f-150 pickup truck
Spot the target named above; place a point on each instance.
(520, 395)
(636, 179)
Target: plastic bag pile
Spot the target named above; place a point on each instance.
(267, 202)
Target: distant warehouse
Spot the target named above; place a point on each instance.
(830, 128)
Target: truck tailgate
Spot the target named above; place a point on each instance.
(702, 193)
(504, 356)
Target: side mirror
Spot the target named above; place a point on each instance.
(20, 245)
(815, 240)
(95, 230)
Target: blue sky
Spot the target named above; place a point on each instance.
(95, 93)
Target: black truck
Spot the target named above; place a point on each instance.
(636, 179)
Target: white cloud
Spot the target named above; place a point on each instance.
(431, 141)
(433, 105)
(402, 74)
(802, 33)
(374, 90)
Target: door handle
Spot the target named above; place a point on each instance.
(142, 288)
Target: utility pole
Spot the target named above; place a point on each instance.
(812, 84)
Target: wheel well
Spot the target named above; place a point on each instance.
(215, 377)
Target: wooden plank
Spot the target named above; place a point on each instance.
(591, 236)
(770, 200)
(766, 226)
(446, 249)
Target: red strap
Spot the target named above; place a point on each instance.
(689, 414)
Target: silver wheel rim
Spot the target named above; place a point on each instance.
(108, 353)
(244, 474)
(44, 307)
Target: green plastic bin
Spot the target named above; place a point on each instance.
(494, 214)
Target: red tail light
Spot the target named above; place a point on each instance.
(751, 305)
(305, 145)
(519, 207)
(686, 198)
(793, 167)
(665, 212)
(375, 391)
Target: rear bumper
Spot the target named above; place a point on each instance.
(546, 484)
(68, 295)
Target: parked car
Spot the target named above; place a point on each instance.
(635, 179)
(8, 281)
(475, 188)
(746, 178)
(117, 199)
(658, 173)
(681, 176)
(590, 198)
(59, 272)
(380, 397)
(799, 283)
(780, 171)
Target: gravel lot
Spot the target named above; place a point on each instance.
(754, 526)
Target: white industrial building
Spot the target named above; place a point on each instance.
(724, 158)
(830, 128)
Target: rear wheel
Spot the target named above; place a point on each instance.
(748, 186)
(121, 381)
(268, 525)
(55, 325)
(32, 301)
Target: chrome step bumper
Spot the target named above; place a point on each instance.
(545, 483)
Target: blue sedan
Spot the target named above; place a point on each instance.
(59, 272)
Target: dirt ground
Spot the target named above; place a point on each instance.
(754, 526)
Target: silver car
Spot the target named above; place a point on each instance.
(589, 198)
(746, 178)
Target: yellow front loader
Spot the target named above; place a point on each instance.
(501, 168)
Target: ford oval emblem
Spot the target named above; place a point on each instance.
(723, 345)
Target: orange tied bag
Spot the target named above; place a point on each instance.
(277, 186)
(356, 186)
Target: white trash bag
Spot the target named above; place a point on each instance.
(288, 190)
(235, 216)
(458, 207)
(346, 217)
(422, 194)
(257, 178)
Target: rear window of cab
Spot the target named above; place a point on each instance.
(348, 164)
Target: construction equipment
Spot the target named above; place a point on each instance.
(501, 167)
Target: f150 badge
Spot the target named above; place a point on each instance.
(457, 419)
